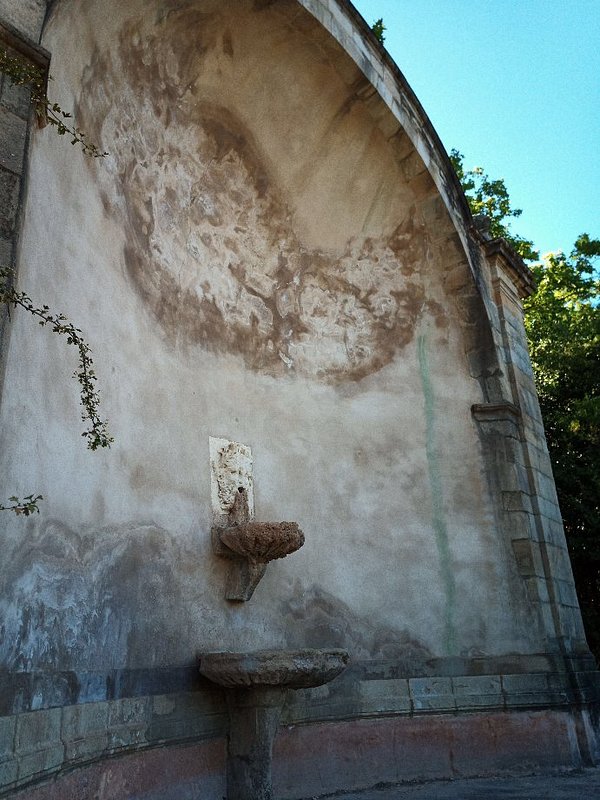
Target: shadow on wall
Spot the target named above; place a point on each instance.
(317, 619)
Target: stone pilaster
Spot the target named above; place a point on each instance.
(539, 544)
(25, 16)
(16, 117)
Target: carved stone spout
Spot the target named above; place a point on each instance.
(250, 546)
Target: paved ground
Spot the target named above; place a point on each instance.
(580, 785)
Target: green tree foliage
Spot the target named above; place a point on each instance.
(379, 29)
(490, 196)
(562, 320)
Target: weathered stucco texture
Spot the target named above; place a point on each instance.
(255, 259)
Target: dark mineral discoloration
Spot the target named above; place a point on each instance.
(212, 247)
(318, 619)
(76, 600)
(228, 43)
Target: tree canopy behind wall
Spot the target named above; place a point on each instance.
(562, 320)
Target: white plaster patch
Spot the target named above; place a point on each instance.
(230, 468)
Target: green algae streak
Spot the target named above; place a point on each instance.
(437, 501)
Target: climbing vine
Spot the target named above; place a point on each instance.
(97, 430)
(21, 73)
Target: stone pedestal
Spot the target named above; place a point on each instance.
(255, 686)
(254, 718)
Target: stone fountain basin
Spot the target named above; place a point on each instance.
(261, 542)
(286, 669)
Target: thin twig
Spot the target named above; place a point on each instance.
(28, 505)
(97, 434)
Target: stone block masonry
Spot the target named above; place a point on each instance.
(27, 16)
(20, 28)
(37, 744)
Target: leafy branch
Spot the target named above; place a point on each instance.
(97, 433)
(28, 505)
(490, 196)
(21, 73)
(30, 76)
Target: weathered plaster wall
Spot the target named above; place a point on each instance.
(275, 251)
(252, 260)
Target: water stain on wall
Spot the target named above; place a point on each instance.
(439, 520)
(316, 618)
(73, 600)
(212, 247)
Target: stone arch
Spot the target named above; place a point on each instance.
(388, 90)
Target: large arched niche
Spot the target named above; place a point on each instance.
(273, 207)
(275, 251)
(276, 266)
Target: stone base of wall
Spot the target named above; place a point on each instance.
(319, 759)
(140, 731)
(173, 773)
(310, 761)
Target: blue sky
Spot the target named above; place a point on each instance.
(515, 86)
